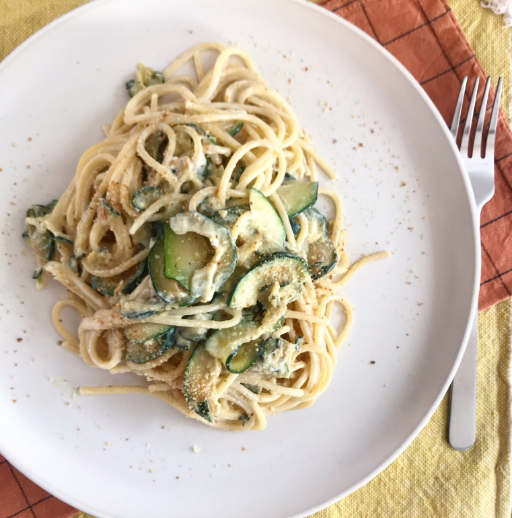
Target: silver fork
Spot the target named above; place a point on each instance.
(462, 428)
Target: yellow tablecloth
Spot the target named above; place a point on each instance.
(429, 479)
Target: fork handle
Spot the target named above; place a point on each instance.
(462, 427)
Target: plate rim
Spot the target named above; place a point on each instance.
(58, 493)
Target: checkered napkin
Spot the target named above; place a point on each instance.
(425, 37)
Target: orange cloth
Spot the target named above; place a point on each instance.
(426, 38)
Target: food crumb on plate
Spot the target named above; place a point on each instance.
(196, 449)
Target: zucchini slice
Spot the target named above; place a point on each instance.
(149, 350)
(286, 270)
(255, 389)
(146, 196)
(63, 239)
(39, 211)
(227, 287)
(141, 333)
(145, 77)
(224, 343)
(181, 343)
(188, 257)
(105, 205)
(295, 227)
(236, 129)
(201, 131)
(43, 243)
(156, 144)
(199, 384)
(229, 216)
(320, 252)
(184, 254)
(169, 290)
(136, 278)
(267, 221)
(74, 265)
(195, 334)
(103, 286)
(298, 196)
(136, 309)
(244, 357)
(275, 358)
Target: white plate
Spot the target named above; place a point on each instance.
(411, 310)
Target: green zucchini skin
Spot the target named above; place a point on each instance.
(146, 196)
(321, 252)
(195, 334)
(143, 332)
(255, 389)
(289, 270)
(169, 290)
(298, 196)
(63, 239)
(184, 254)
(267, 221)
(108, 208)
(134, 280)
(43, 243)
(236, 129)
(191, 266)
(103, 286)
(244, 357)
(150, 77)
(135, 310)
(199, 383)
(144, 352)
(295, 227)
(229, 216)
(237, 347)
(244, 417)
(224, 343)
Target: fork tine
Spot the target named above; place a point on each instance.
(491, 137)
(464, 145)
(479, 135)
(458, 109)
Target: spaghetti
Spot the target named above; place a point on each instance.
(191, 250)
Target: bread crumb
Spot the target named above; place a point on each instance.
(196, 449)
(19, 339)
(244, 449)
(372, 362)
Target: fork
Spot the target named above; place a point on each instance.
(462, 427)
